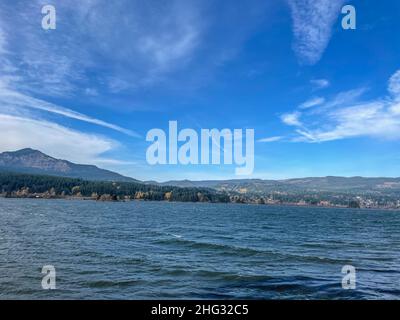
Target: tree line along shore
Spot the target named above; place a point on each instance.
(14, 185)
(19, 185)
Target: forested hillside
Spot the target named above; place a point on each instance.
(25, 185)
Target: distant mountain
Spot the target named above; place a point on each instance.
(318, 184)
(35, 162)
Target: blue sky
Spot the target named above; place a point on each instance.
(322, 100)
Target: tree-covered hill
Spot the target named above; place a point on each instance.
(27, 185)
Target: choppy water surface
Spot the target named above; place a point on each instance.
(154, 250)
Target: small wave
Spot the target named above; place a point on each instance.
(113, 283)
(175, 235)
(229, 276)
(227, 249)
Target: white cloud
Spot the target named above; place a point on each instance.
(344, 117)
(2, 41)
(11, 98)
(94, 46)
(342, 99)
(312, 103)
(395, 108)
(271, 139)
(362, 120)
(105, 161)
(292, 119)
(138, 49)
(52, 139)
(320, 83)
(394, 85)
(312, 24)
(116, 85)
(166, 50)
(91, 92)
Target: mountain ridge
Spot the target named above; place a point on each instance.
(36, 162)
(260, 186)
(33, 161)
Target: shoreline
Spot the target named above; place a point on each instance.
(72, 198)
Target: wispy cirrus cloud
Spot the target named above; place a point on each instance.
(348, 116)
(143, 47)
(34, 61)
(2, 41)
(123, 46)
(13, 100)
(316, 101)
(320, 83)
(394, 85)
(373, 119)
(271, 139)
(53, 139)
(292, 118)
(341, 99)
(312, 27)
(23, 117)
